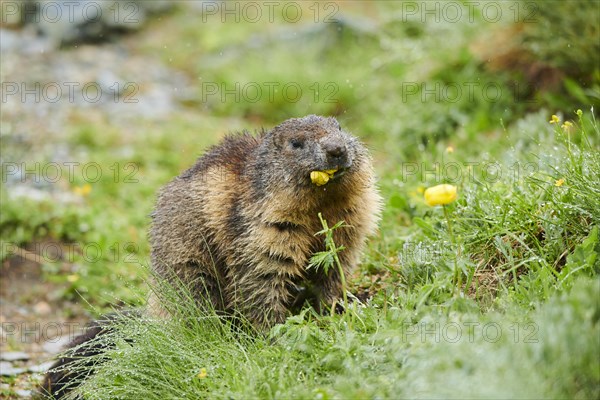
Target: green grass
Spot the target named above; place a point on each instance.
(518, 250)
(524, 318)
(369, 352)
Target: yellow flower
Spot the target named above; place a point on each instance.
(554, 120)
(420, 189)
(73, 278)
(320, 178)
(83, 190)
(449, 149)
(579, 112)
(440, 195)
(202, 374)
(567, 126)
(559, 182)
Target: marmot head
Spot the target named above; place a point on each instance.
(313, 143)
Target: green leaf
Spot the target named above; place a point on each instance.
(427, 228)
(583, 258)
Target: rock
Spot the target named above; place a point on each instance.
(41, 368)
(23, 393)
(23, 191)
(42, 308)
(56, 346)
(14, 356)
(71, 22)
(4, 365)
(10, 40)
(7, 369)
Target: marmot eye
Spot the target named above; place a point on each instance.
(297, 143)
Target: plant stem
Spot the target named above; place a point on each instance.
(449, 223)
(342, 275)
(457, 274)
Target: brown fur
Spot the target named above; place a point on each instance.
(239, 226)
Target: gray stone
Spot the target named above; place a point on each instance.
(7, 369)
(91, 21)
(14, 356)
(23, 393)
(41, 368)
(55, 346)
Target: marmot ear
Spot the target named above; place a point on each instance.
(277, 138)
(336, 123)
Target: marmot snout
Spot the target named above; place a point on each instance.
(309, 144)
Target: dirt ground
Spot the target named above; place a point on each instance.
(36, 322)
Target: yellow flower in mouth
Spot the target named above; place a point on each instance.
(559, 182)
(555, 120)
(320, 178)
(440, 195)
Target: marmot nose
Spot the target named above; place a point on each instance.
(335, 149)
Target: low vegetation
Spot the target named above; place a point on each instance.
(493, 295)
